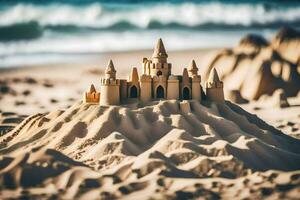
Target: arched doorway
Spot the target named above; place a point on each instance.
(160, 93)
(159, 73)
(185, 93)
(133, 92)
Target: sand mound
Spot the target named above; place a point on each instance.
(90, 132)
(256, 67)
(33, 168)
(9, 121)
(142, 150)
(49, 172)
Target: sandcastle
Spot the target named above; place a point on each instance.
(92, 96)
(157, 82)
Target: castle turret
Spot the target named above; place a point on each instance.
(159, 55)
(185, 86)
(110, 71)
(173, 87)
(158, 66)
(214, 87)
(134, 77)
(146, 91)
(133, 84)
(185, 77)
(193, 69)
(196, 81)
(92, 96)
(110, 87)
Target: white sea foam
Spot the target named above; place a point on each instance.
(188, 14)
(52, 41)
(30, 52)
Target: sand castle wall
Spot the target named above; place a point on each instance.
(196, 90)
(110, 92)
(146, 88)
(173, 89)
(215, 94)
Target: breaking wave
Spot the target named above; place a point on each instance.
(32, 31)
(32, 21)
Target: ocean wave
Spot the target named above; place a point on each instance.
(33, 30)
(34, 33)
(67, 48)
(22, 31)
(28, 21)
(109, 42)
(101, 16)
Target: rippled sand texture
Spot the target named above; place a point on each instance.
(169, 149)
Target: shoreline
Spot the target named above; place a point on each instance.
(87, 58)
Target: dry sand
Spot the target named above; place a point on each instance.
(167, 150)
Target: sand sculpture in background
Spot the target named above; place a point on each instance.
(257, 67)
(156, 82)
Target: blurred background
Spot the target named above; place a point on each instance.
(34, 32)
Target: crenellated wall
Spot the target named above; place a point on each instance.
(110, 92)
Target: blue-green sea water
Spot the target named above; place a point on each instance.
(33, 30)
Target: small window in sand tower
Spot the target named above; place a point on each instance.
(160, 93)
(133, 92)
(186, 93)
(159, 73)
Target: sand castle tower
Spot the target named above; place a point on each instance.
(110, 87)
(145, 88)
(185, 85)
(158, 65)
(214, 87)
(92, 96)
(173, 87)
(133, 84)
(196, 81)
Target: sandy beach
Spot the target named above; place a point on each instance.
(148, 99)
(165, 150)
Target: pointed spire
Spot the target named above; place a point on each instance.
(92, 89)
(110, 67)
(193, 66)
(134, 77)
(159, 50)
(213, 80)
(193, 69)
(110, 71)
(185, 76)
(213, 76)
